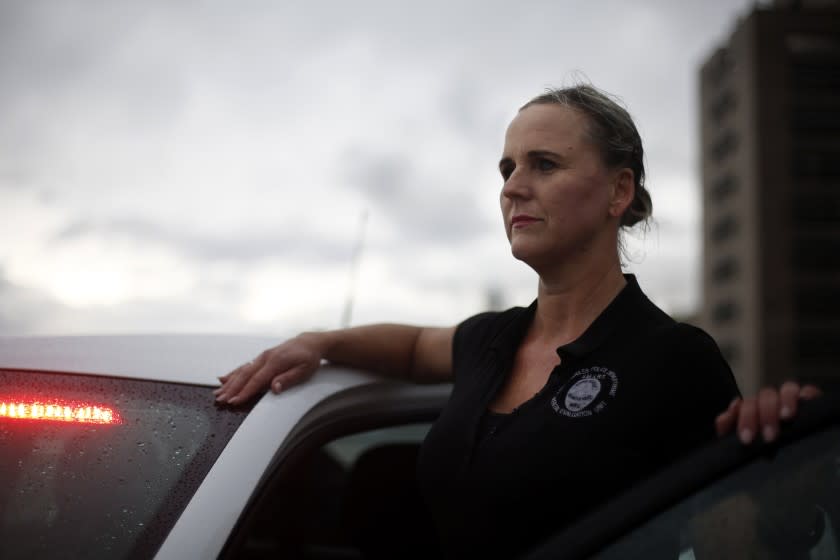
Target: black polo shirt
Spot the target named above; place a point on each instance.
(633, 393)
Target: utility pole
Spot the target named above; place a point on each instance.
(354, 271)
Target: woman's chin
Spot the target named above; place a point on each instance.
(522, 252)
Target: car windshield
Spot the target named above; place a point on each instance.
(97, 467)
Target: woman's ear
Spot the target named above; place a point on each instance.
(623, 191)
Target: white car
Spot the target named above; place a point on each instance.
(113, 447)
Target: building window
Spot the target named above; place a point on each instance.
(816, 207)
(724, 269)
(722, 105)
(817, 303)
(815, 120)
(724, 311)
(815, 73)
(817, 346)
(816, 163)
(816, 255)
(809, 45)
(724, 228)
(724, 145)
(724, 186)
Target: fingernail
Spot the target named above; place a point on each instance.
(746, 436)
(218, 391)
(277, 387)
(220, 397)
(785, 412)
(769, 433)
(234, 400)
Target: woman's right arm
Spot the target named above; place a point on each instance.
(418, 354)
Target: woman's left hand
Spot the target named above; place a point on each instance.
(763, 411)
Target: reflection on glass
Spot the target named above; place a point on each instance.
(782, 507)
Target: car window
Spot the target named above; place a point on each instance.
(352, 497)
(97, 467)
(782, 506)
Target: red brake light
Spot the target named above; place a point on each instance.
(57, 410)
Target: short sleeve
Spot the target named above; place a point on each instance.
(476, 337)
(702, 385)
(472, 336)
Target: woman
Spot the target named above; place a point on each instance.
(558, 406)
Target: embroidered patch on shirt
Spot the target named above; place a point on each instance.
(586, 393)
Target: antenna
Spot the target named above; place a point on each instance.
(354, 270)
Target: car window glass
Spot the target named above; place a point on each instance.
(353, 497)
(786, 506)
(76, 489)
(348, 449)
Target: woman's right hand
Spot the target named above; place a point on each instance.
(763, 412)
(281, 367)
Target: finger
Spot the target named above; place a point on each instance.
(809, 392)
(748, 420)
(223, 379)
(222, 391)
(293, 377)
(256, 383)
(725, 421)
(232, 374)
(768, 413)
(788, 399)
(277, 384)
(239, 377)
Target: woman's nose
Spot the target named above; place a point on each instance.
(516, 185)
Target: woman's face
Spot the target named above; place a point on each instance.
(559, 201)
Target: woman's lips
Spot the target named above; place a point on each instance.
(522, 220)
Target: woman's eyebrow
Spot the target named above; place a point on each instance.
(534, 154)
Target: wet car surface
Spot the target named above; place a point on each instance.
(170, 473)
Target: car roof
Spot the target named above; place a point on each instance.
(180, 358)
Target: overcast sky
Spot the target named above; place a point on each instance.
(206, 166)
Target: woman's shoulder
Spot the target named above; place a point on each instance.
(482, 329)
(691, 351)
(654, 327)
(685, 338)
(489, 320)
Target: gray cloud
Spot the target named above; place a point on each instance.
(25, 310)
(74, 67)
(281, 244)
(423, 208)
(158, 83)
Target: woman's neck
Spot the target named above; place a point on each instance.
(566, 306)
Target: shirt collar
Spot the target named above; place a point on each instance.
(619, 309)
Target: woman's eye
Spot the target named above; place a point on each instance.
(545, 164)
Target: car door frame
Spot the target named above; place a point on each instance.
(353, 410)
(686, 477)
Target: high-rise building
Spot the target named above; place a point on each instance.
(770, 133)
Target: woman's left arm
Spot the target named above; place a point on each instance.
(763, 411)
